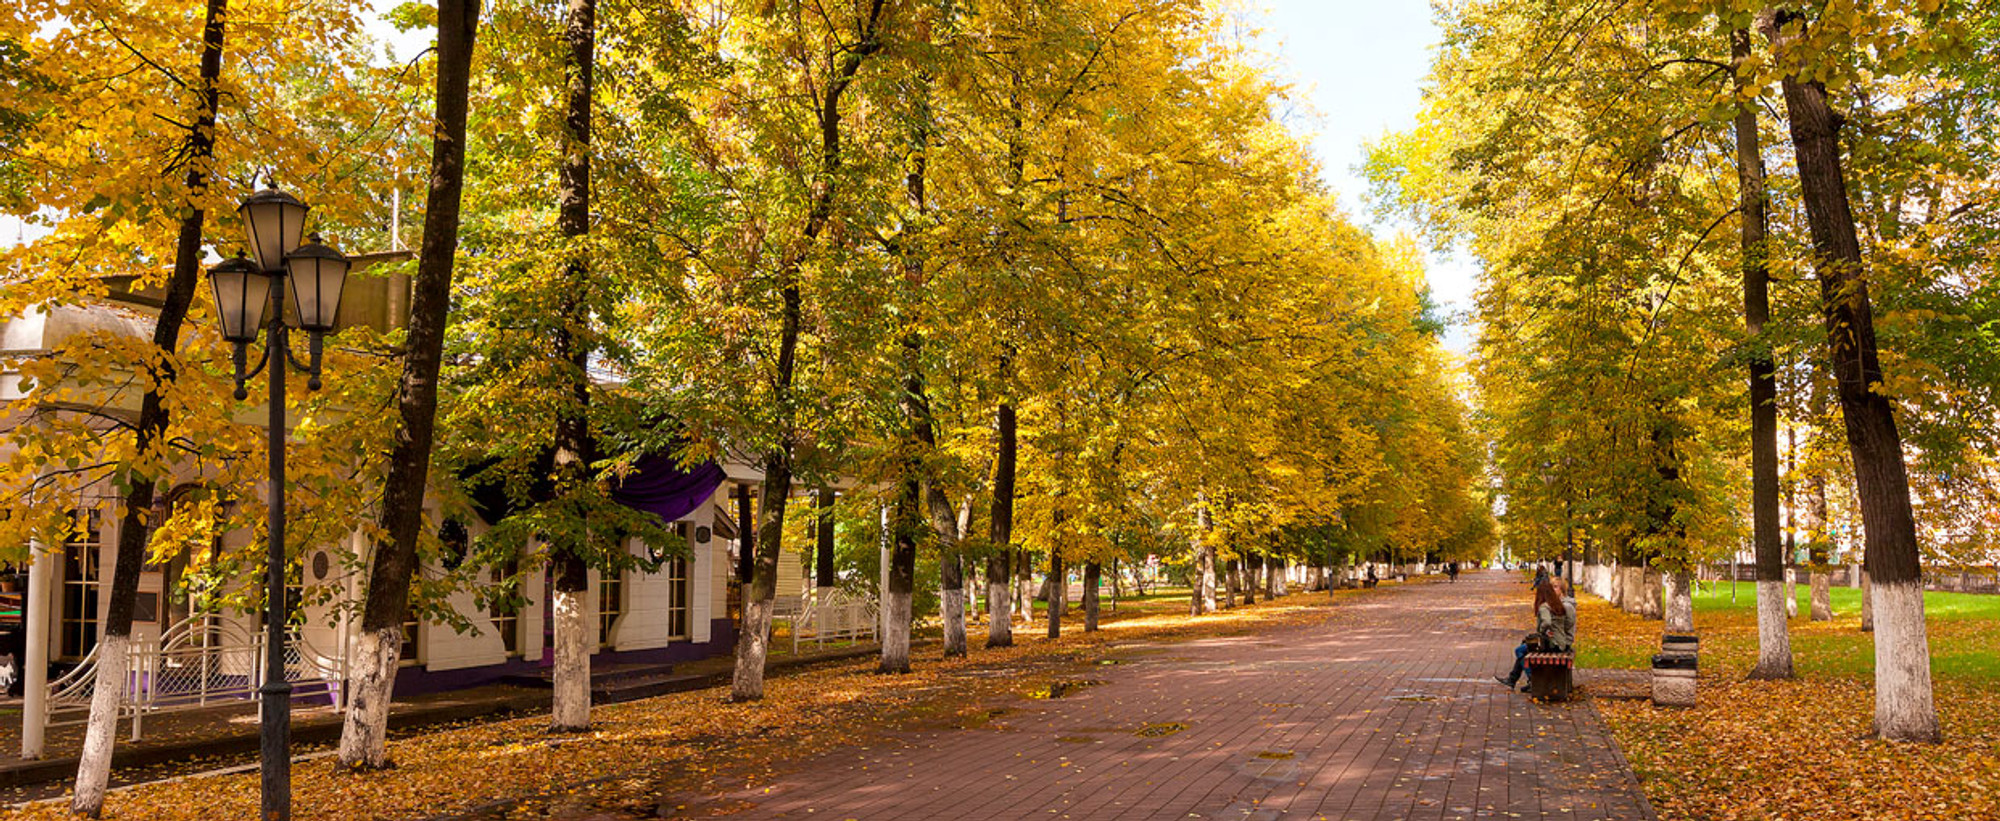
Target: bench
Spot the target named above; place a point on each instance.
(1549, 674)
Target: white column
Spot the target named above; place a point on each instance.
(35, 669)
(701, 577)
(883, 589)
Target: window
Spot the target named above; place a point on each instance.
(610, 605)
(506, 617)
(79, 627)
(413, 648)
(677, 598)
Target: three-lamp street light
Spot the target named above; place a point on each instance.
(250, 296)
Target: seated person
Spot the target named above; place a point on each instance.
(1555, 630)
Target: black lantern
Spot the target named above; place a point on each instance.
(242, 293)
(317, 273)
(273, 221)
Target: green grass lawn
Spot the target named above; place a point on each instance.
(1964, 635)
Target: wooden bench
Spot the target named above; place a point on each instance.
(1549, 675)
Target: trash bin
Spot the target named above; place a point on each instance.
(1673, 680)
(1680, 644)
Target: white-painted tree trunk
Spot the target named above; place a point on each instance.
(896, 611)
(371, 686)
(1903, 706)
(1024, 596)
(1203, 598)
(951, 606)
(570, 711)
(93, 767)
(1680, 602)
(1000, 613)
(753, 648)
(1822, 596)
(1867, 603)
(972, 584)
(1774, 639)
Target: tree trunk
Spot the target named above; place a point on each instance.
(753, 643)
(916, 397)
(372, 681)
(1229, 577)
(753, 639)
(1867, 603)
(1092, 574)
(951, 602)
(1680, 603)
(1904, 710)
(93, 771)
(1058, 585)
(1774, 644)
(1202, 599)
(1252, 569)
(1024, 592)
(1000, 533)
(1817, 551)
(824, 577)
(897, 600)
(575, 450)
(570, 701)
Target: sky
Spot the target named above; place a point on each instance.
(1359, 66)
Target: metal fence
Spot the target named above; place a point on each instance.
(201, 661)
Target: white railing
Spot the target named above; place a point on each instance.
(830, 615)
(198, 662)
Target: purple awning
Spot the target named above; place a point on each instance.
(659, 486)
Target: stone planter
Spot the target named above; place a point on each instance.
(1673, 680)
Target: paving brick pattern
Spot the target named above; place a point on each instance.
(1386, 710)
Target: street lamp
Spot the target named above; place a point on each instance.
(245, 288)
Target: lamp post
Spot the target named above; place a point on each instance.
(250, 296)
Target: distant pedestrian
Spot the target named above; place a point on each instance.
(1451, 571)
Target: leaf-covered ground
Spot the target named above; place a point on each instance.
(1801, 749)
(689, 742)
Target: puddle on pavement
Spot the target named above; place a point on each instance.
(1276, 755)
(1058, 689)
(1415, 698)
(1160, 730)
(1076, 739)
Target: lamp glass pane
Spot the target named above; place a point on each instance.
(241, 298)
(273, 229)
(316, 286)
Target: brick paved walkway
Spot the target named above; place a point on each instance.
(1385, 711)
